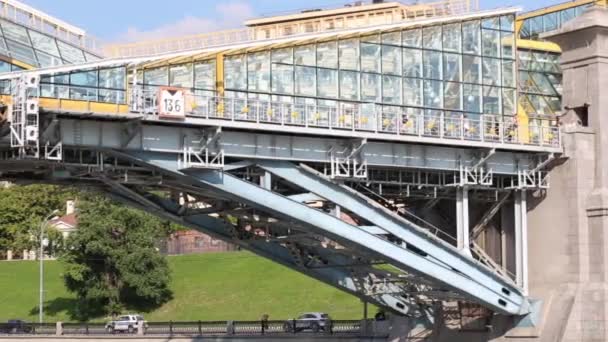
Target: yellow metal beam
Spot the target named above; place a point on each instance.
(83, 106)
(219, 74)
(17, 62)
(538, 45)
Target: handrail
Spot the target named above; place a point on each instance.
(361, 117)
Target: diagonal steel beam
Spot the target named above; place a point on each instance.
(412, 260)
(337, 276)
(489, 214)
(396, 225)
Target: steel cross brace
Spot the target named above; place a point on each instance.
(506, 301)
(334, 274)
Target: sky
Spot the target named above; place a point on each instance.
(117, 21)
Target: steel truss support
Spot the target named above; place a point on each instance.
(337, 270)
(521, 240)
(434, 259)
(488, 215)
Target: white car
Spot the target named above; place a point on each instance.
(313, 321)
(126, 323)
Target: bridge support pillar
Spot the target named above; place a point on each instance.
(462, 220)
(521, 240)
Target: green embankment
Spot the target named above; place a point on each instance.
(219, 286)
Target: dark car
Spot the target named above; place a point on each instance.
(15, 326)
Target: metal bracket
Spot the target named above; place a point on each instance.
(351, 166)
(129, 131)
(530, 179)
(207, 154)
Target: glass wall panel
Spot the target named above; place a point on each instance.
(451, 67)
(412, 91)
(431, 37)
(374, 38)
(490, 42)
(349, 54)
(472, 97)
(305, 55)
(471, 37)
(391, 89)
(306, 81)
(70, 53)
(112, 78)
(181, 76)
(507, 23)
(508, 74)
(491, 100)
(84, 78)
(282, 78)
(452, 95)
(451, 37)
(235, 72)
(327, 55)
(327, 83)
(84, 94)
(44, 43)
(431, 61)
(283, 56)
(412, 38)
(391, 38)
(491, 23)
(507, 41)
(508, 101)
(371, 88)
(391, 60)
(204, 75)
(349, 85)
(158, 76)
(491, 71)
(370, 57)
(412, 62)
(471, 69)
(258, 71)
(433, 93)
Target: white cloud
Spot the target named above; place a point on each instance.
(228, 15)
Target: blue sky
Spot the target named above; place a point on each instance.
(131, 20)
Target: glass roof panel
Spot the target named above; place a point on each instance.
(15, 32)
(44, 43)
(22, 53)
(70, 53)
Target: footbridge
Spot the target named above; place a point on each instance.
(337, 154)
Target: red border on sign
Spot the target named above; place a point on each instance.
(158, 100)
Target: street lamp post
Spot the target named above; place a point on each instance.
(41, 259)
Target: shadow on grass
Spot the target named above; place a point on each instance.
(71, 308)
(78, 311)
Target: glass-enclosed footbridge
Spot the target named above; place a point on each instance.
(391, 161)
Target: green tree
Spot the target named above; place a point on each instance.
(22, 209)
(112, 262)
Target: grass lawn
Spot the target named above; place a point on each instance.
(218, 286)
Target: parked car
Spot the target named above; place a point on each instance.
(313, 321)
(15, 326)
(126, 323)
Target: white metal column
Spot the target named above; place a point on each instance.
(521, 240)
(462, 220)
(524, 242)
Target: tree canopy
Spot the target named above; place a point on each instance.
(112, 262)
(22, 210)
